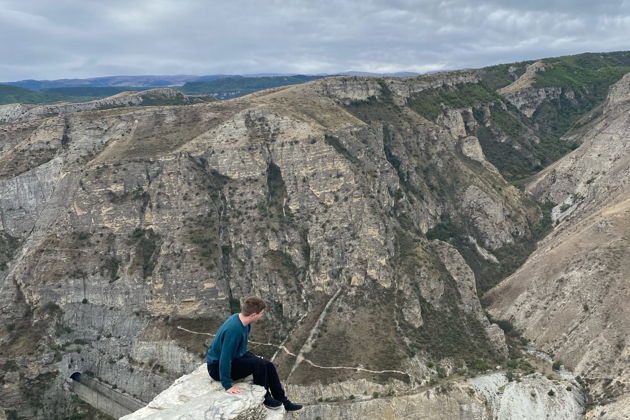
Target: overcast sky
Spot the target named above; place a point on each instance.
(46, 39)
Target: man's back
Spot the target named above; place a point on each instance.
(229, 343)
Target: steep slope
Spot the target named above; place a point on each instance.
(127, 232)
(557, 96)
(570, 297)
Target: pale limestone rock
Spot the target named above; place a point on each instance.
(13, 112)
(472, 149)
(486, 215)
(615, 410)
(461, 273)
(197, 396)
(413, 314)
(487, 255)
(529, 99)
(452, 119)
(482, 398)
(619, 93)
(23, 198)
(525, 80)
(529, 398)
(456, 404)
(314, 393)
(351, 88)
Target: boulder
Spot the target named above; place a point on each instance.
(198, 396)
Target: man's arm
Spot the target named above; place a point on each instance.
(228, 348)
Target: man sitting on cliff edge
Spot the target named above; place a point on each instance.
(228, 358)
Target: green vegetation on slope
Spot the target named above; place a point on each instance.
(147, 249)
(510, 257)
(429, 102)
(447, 331)
(8, 245)
(584, 80)
(527, 149)
(232, 87)
(510, 141)
(92, 91)
(496, 77)
(13, 94)
(582, 71)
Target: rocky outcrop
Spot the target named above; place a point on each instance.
(528, 100)
(526, 80)
(347, 89)
(523, 95)
(533, 397)
(569, 297)
(196, 397)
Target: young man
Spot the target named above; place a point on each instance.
(228, 358)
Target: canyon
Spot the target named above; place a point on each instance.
(418, 240)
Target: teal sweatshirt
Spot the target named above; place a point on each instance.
(229, 344)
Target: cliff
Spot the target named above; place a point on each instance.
(122, 225)
(196, 396)
(369, 214)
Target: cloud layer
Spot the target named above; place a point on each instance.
(71, 38)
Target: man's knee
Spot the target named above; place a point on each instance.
(261, 363)
(269, 365)
(266, 363)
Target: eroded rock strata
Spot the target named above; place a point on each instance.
(368, 217)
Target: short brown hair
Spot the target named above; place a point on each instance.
(253, 305)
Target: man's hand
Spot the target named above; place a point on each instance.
(234, 390)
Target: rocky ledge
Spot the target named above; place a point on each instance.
(493, 396)
(197, 396)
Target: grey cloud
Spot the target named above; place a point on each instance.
(43, 39)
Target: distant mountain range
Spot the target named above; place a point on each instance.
(148, 81)
(153, 81)
(221, 86)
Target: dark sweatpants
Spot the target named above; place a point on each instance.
(264, 373)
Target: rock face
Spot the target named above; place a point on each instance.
(534, 397)
(131, 233)
(197, 397)
(527, 98)
(570, 297)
